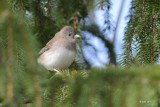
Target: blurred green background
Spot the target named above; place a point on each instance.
(131, 81)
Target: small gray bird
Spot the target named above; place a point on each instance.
(60, 51)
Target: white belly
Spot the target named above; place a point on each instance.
(61, 59)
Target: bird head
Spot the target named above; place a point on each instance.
(70, 33)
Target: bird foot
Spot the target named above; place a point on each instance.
(57, 71)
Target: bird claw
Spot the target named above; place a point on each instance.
(57, 71)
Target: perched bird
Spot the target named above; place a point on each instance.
(60, 51)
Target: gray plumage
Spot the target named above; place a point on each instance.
(60, 51)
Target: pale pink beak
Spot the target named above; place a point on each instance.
(77, 36)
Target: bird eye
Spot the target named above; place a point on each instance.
(70, 34)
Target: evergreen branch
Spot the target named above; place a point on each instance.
(10, 66)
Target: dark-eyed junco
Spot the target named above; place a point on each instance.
(60, 51)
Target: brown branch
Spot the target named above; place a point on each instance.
(10, 66)
(22, 7)
(152, 38)
(129, 50)
(32, 61)
(49, 8)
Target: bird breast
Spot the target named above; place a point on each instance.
(61, 59)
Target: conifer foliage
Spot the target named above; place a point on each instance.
(142, 36)
(18, 61)
(26, 25)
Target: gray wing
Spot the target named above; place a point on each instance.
(44, 49)
(48, 45)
